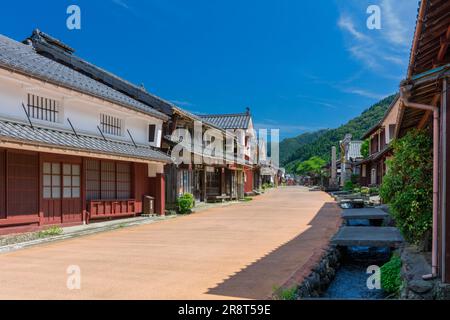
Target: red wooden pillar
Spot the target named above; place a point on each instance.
(248, 180)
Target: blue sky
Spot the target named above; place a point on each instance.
(299, 65)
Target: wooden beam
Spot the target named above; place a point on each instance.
(401, 111)
(424, 119)
(428, 113)
(417, 35)
(445, 42)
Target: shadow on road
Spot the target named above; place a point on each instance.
(288, 263)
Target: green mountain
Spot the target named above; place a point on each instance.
(289, 146)
(319, 143)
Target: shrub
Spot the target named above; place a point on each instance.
(185, 203)
(52, 231)
(365, 190)
(391, 280)
(268, 186)
(408, 186)
(349, 185)
(374, 191)
(286, 294)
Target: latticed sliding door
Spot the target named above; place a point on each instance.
(123, 181)
(92, 180)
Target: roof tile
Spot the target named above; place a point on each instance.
(23, 58)
(14, 131)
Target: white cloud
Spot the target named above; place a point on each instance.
(122, 4)
(394, 59)
(366, 54)
(385, 51)
(365, 93)
(347, 24)
(394, 29)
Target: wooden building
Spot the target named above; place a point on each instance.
(374, 167)
(73, 148)
(424, 99)
(208, 177)
(241, 125)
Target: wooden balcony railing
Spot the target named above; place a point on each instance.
(106, 209)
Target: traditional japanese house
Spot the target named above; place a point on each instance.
(206, 176)
(241, 125)
(424, 99)
(72, 149)
(374, 167)
(269, 173)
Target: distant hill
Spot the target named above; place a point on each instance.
(319, 143)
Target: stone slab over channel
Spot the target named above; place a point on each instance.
(368, 237)
(364, 213)
(241, 251)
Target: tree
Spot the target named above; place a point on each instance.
(312, 166)
(365, 148)
(301, 148)
(408, 186)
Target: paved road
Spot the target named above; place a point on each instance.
(237, 251)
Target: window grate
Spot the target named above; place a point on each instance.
(42, 108)
(151, 132)
(111, 125)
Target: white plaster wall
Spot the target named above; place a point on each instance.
(391, 118)
(82, 110)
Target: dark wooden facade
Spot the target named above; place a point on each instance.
(205, 183)
(41, 189)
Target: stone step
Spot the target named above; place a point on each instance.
(368, 237)
(364, 213)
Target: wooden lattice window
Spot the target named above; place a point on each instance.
(108, 180)
(212, 179)
(42, 108)
(92, 180)
(123, 181)
(110, 125)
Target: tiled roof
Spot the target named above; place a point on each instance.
(48, 46)
(196, 118)
(18, 132)
(229, 121)
(22, 58)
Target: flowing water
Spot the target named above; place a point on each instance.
(351, 278)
